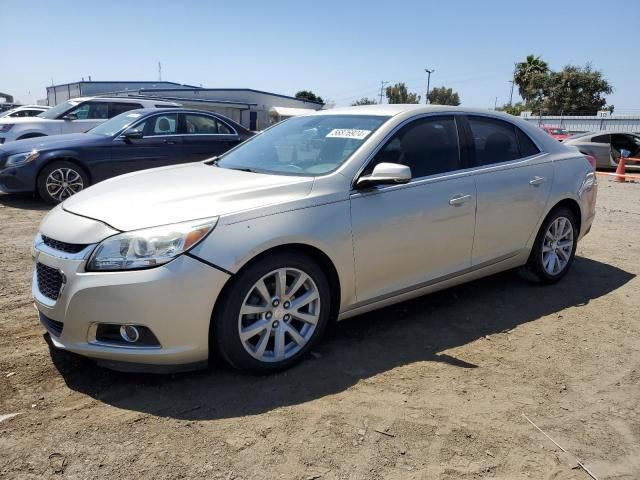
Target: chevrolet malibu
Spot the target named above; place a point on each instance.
(321, 217)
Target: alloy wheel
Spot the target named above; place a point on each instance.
(557, 246)
(61, 183)
(279, 315)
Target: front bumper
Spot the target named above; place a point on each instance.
(18, 179)
(174, 301)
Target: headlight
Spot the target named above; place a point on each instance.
(21, 158)
(5, 127)
(149, 247)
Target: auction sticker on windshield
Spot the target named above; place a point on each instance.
(348, 133)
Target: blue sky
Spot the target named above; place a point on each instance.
(340, 50)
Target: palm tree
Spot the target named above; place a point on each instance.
(526, 72)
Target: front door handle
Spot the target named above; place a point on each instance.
(459, 199)
(536, 181)
(169, 142)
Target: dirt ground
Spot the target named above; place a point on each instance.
(435, 388)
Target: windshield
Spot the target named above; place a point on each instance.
(309, 145)
(116, 124)
(59, 109)
(6, 113)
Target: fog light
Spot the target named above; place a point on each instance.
(119, 335)
(129, 333)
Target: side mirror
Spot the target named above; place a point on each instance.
(385, 174)
(132, 135)
(70, 116)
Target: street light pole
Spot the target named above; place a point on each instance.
(383, 83)
(429, 72)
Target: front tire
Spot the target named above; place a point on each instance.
(274, 312)
(555, 246)
(59, 180)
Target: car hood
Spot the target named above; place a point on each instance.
(180, 193)
(53, 142)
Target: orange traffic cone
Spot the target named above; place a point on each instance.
(620, 171)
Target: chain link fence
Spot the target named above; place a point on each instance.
(577, 123)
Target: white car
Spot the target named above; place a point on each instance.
(73, 116)
(25, 111)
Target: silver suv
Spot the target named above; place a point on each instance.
(73, 116)
(320, 217)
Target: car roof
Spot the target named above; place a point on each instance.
(389, 110)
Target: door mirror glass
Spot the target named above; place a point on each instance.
(133, 134)
(385, 174)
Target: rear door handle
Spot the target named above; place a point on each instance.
(536, 181)
(169, 142)
(459, 199)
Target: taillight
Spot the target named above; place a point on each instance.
(591, 160)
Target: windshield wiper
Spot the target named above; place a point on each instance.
(243, 169)
(214, 161)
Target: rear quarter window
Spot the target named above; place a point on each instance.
(525, 144)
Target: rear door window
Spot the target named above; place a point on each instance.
(204, 125)
(494, 141)
(116, 108)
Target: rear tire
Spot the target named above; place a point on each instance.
(61, 179)
(273, 313)
(555, 246)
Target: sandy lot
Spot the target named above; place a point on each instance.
(432, 388)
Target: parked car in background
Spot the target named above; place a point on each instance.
(60, 166)
(73, 116)
(323, 216)
(605, 147)
(24, 111)
(558, 133)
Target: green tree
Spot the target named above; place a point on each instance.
(530, 76)
(575, 90)
(364, 101)
(443, 96)
(309, 95)
(398, 94)
(513, 109)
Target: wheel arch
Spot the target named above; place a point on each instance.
(573, 205)
(317, 255)
(61, 157)
(27, 135)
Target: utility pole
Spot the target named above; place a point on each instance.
(159, 72)
(382, 85)
(429, 72)
(512, 82)
(495, 104)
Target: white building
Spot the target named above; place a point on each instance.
(253, 109)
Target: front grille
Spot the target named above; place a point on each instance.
(52, 326)
(49, 281)
(63, 246)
